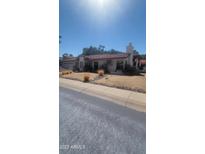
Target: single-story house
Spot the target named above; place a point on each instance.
(112, 62)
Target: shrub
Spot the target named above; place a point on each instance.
(101, 72)
(86, 78)
(130, 70)
(66, 72)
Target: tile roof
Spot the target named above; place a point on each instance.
(106, 56)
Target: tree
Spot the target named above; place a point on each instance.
(65, 55)
(101, 48)
(143, 56)
(91, 51)
(60, 37)
(136, 52)
(113, 51)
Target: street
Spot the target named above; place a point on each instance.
(92, 125)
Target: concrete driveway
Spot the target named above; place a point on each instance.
(89, 124)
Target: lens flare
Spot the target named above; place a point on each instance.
(101, 11)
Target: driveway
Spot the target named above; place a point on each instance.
(89, 124)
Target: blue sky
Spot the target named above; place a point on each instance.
(112, 23)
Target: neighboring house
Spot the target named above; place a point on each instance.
(142, 65)
(112, 62)
(69, 62)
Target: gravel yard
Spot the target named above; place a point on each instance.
(134, 83)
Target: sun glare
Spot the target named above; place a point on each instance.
(101, 4)
(101, 11)
(102, 8)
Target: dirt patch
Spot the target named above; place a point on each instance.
(80, 76)
(134, 83)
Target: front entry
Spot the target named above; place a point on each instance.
(95, 66)
(119, 65)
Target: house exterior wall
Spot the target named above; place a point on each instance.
(69, 65)
(112, 66)
(130, 52)
(101, 62)
(137, 61)
(125, 62)
(81, 63)
(86, 63)
(130, 59)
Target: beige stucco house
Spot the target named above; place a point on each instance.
(113, 62)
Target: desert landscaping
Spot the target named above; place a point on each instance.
(135, 83)
(80, 76)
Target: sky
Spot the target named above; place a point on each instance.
(112, 23)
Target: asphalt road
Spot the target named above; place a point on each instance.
(90, 125)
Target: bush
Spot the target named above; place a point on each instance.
(101, 72)
(130, 70)
(86, 78)
(66, 72)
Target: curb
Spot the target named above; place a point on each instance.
(133, 100)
